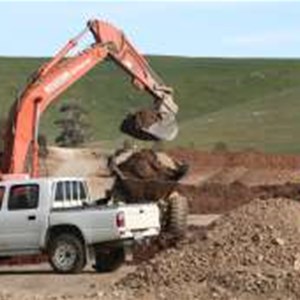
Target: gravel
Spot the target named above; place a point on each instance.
(252, 252)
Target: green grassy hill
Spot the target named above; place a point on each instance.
(245, 103)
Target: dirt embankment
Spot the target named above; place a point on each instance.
(249, 159)
(218, 182)
(250, 253)
(147, 178)
(215, 198)
(250, 168)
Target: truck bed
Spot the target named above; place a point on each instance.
(99, 223)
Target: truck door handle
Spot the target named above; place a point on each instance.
(32, 218)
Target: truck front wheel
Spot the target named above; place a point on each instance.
(109, 260)
(66, 254)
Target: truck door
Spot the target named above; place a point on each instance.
(22, 225)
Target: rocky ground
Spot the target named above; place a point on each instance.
(251, 253)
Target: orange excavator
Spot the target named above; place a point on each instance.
(54, 77)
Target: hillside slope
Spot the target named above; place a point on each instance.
(242, 102)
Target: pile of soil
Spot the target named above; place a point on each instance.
(250, 253)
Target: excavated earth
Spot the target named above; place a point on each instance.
(220, 181)
(226, 189)
(215, 198)
(252, 252)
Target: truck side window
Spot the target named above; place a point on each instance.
(2, 191)
(25, 196)
(59, 194)
(82, 193)
(68, 190)
(75, 190)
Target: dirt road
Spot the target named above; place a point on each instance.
(39, 282)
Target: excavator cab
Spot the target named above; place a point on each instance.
(149, 125)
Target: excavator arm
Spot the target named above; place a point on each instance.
(144, 124)
(126, 55)
(54, 77)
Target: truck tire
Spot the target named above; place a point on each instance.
(66, 254)
(177, 215)
(109, 260)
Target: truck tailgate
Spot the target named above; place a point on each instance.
(141, 217)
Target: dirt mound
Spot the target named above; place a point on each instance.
(250, 253)
(143, 252)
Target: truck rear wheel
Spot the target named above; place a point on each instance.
(109, 260)
(66, 254)
(177, 215)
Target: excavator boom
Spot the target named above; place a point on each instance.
(54, 77)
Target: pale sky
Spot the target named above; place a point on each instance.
(210, 29)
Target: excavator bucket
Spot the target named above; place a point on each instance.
(148, 125)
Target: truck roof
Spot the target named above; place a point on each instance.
(40, 180)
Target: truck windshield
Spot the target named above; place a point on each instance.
(2, 190)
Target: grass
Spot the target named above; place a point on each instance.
(245, 103)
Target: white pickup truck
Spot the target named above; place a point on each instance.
(55, 216)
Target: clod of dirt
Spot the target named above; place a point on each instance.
(250, 253)
(135, 123)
